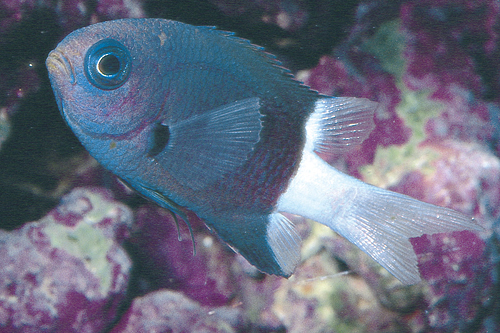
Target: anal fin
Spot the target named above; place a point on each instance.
(269, 242)
(284, 242)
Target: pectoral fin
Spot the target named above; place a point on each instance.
(205, 147)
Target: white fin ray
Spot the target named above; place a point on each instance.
(269, 242)
(205, 147)
(378, 221)
(339, 123)
(284, 242)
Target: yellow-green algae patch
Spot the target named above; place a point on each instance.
(311, 246)
(415, 109)
(86, 243)
(393, 162)
(319, 281)
(387, 45)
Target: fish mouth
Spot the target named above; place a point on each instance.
(57, 62)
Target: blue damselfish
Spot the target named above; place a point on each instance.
(196, 118)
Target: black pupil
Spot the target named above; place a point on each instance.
(109, 65)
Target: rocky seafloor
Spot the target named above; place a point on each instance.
(82, 253)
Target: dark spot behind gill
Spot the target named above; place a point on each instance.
(161, 134)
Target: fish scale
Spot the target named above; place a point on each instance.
(198, 119)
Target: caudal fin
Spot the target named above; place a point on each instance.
(378, 221)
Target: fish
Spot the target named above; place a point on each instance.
(197, 119)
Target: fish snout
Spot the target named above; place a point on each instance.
(60, 67)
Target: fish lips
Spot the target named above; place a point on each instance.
(61, 73)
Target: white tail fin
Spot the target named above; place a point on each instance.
(378, 221)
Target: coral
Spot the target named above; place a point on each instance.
(166, 259)
(440, 108)
(66, 272)
(169, 311)
(321, 296)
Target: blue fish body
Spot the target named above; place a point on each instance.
(195, 118)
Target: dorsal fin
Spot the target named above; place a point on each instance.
(339, 123)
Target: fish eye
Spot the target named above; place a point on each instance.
(107, 64)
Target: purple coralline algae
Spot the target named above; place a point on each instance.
(169, 311)
(433, 66)
(166, 258)
(66, 272)
(437, 122)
